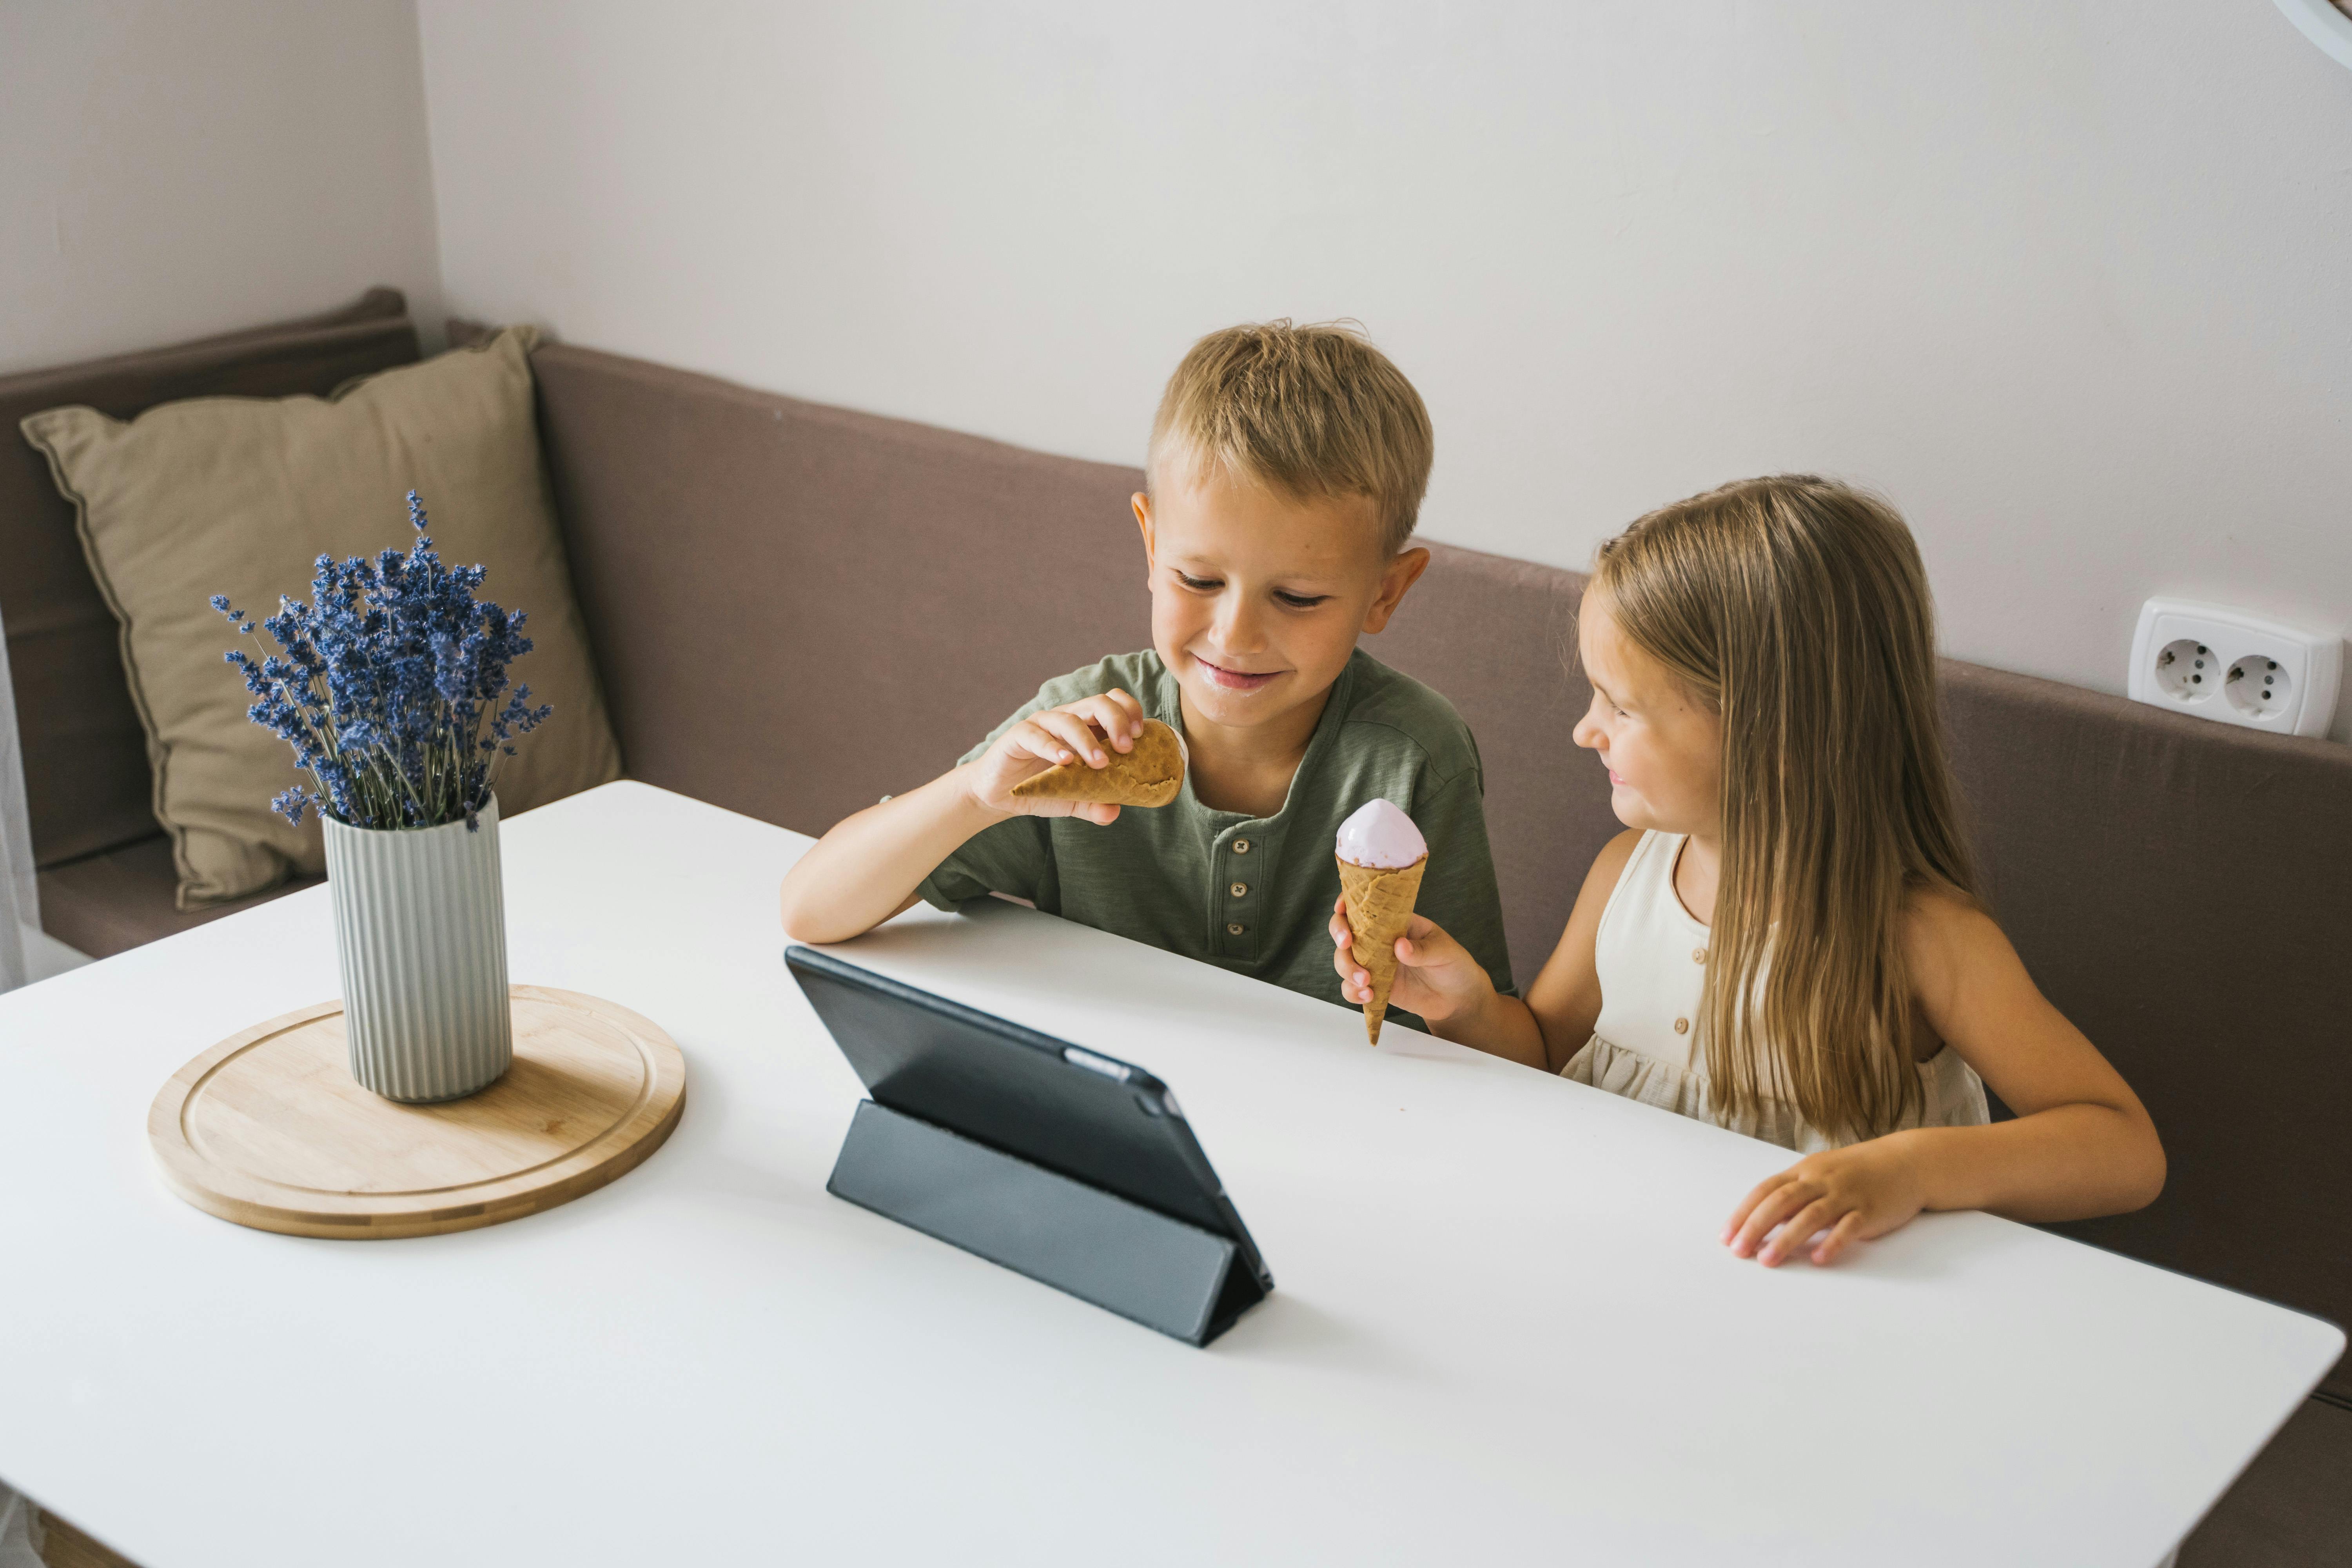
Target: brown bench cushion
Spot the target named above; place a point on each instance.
(800, 608)
(111, 903)
(85, 777)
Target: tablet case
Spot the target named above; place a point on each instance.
(1098, 1247)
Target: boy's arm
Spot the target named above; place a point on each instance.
(868, 867)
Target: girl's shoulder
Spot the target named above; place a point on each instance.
(1577, 942)
(1933, 911)
(1946, 934)
(1617, 852)
(1609, 865)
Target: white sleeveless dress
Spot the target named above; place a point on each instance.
(1652, 957)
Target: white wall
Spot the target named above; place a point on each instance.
(169, 170)
(2065, 278)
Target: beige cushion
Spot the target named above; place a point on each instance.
(239, 496)
(88, 787)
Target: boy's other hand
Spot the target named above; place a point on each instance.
(1436, 977)
(1086, 731)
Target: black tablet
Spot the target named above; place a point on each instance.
(1105, 1124)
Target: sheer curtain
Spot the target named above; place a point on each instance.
(20, 914)
(19, 1540)
(20, 910)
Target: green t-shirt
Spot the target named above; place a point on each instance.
(1254, 894)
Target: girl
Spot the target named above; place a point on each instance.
(1786, 939)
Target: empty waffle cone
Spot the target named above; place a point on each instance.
(1152, 775)
(1379, 904)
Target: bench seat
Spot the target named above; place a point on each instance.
(120, 898)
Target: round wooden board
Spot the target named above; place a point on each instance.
(269, 1129)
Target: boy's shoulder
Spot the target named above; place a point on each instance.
(1140, 675)
(1411, 714)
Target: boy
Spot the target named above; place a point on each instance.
(1286, 468)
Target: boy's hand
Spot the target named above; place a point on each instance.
(1841, 1196)
(1436, 977)
(1086, 731)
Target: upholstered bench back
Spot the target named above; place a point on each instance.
(799, 609)
(86, 776)
(107, 877)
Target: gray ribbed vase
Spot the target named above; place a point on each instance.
(421, 928)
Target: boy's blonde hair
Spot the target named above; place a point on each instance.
(1798, 609)
(1312, 412)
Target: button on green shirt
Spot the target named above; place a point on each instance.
(1254, 894)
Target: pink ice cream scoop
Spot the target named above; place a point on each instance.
(1380, 836)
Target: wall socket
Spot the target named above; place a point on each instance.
(2225, 664)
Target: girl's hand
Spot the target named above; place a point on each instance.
(1841, 1196)
(1436, 977)
(1087, 731)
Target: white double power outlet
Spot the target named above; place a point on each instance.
(2239, 669)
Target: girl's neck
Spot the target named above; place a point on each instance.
(1698, 870)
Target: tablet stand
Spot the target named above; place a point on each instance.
(1161, 1272)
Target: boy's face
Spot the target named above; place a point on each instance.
(1257, 597)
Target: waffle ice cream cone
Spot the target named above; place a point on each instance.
(1152, 775)
(1380, 903)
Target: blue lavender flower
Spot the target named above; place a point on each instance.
(387, 685)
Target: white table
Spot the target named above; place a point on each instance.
(1503, 1332)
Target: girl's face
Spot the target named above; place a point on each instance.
(1663, 746)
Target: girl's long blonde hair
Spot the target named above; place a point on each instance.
(1798, 609)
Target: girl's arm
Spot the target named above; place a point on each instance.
(2082, 1143)
(1440, 981)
